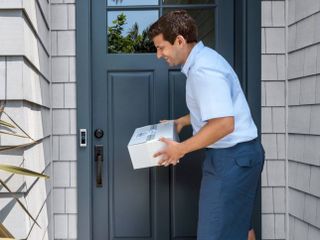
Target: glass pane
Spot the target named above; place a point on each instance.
(188, 1)
(205, 19)
(131, 2)
(127, 31)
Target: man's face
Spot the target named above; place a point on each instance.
(170, 52)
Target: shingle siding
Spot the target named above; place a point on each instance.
(18, 38)
(24, 82)
(25, 85)
(299, 94)
(64, 118)
(274, 119)
(303, 119)
(3, 78)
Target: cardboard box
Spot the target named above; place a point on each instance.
(145, 143)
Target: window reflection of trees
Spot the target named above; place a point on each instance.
(133, 42)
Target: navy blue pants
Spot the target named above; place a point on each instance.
(228, 188)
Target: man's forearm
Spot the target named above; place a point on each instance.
(214, 130)
(185, 120)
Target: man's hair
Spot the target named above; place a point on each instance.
(175, 23)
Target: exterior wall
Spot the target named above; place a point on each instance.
(274, 125)
(64, 119)
(273, 119)
(25, 84)
(303, 119)
(290, 110)
(290, 99)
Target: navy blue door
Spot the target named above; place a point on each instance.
(131, 90)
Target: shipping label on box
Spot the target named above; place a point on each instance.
(145, 143)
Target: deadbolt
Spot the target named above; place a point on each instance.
(98, 133)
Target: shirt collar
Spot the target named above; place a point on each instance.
(190, 59)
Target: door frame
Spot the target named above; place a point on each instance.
(247, 62)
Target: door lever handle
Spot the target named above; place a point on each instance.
(98, 152)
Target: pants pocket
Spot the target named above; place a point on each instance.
(245, 161)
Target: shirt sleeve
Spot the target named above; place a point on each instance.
(212, 94)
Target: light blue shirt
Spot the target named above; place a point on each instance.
(213, 91)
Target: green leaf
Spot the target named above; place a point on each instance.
(21, 171)
(6, 124)
(18, 126)
(20, 203)
(7, 148)
(13, 134)
(4, 233)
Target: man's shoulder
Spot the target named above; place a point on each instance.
(207, 52)
(211, 59)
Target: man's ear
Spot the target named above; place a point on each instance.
(180, 40)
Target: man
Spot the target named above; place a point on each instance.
(222, 124)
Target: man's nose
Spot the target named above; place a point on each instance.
(159, 55)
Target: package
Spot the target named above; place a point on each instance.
(145, 143)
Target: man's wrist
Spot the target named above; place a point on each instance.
(184, 148)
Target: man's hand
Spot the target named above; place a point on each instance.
(177, 124)
(171, 154)
(180, 122)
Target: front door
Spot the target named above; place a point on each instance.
(132, 88)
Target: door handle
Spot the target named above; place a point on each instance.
(98, 156)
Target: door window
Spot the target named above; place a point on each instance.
(188, 1)
(131, 2)
(128, 22)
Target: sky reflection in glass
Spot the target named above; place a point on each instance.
(143, 18)
(120, 3)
